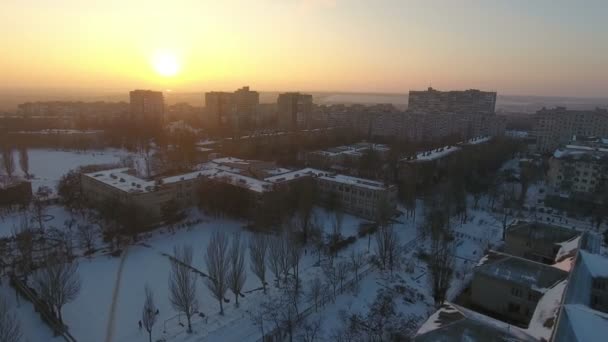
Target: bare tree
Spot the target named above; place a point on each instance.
(295, 255)
(86, 236)
(10, 329)
(310, 330)
(337, 221)
(440, 267)
(258, 249)
(24, 161)
(258, 317)
(274, 257)
(218, 266)
(58, 283)
(331, 274)
(279, 257)
(315, 292)
(342, 273)
(357, 260)
(8, 161)
(24, 239)
(237, 274)
(39, 205)
(387, 243)
(182, 283)
(148, 313)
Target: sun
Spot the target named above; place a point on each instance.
(166, 63)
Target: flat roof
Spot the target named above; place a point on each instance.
(534, 275)
(455, 323)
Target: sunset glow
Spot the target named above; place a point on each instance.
(166, 63)
(307, 45)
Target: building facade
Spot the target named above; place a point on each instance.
(510, 287)
(579, 169)
(232, 112)
(461, 102)
(358, 196)
(147, 108)
(557, 126)
(537, 241)
(294, 111)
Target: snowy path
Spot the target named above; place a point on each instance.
(112, 315)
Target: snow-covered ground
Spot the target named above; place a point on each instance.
(47, 166)
(112, 295)
(32, 326)
(89, 316)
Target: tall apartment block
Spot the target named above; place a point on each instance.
(463, 102)
(219, 110)
(147, 108)
(294, 111)
(246, 104)
(557, 126)
(232, 111)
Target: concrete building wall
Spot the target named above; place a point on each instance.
(510, 300)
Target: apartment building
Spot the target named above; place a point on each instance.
(231, 111)
(294, 111)
(580, 168)
(462, 102)
(147, 108)
(246, 104)
(556, 127)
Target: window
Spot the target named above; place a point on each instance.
(516, 292)
(599, 284)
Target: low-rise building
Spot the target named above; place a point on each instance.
(345, 155)
(358, 196)
(14, 191)
(537, 241)
(455, 323)
(583, 316)
(510, 287)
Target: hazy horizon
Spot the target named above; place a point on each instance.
(540, 48)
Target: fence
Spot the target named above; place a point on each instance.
(49, 318)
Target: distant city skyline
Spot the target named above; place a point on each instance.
(542, 48)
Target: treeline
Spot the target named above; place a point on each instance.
(263, 210)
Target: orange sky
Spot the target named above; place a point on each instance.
(515, 47)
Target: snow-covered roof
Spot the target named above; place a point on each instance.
(542, 231)
(477, 140)
(250, 183)
(358, 182)
(122, 180)
(521, 271)
(543, 320)
(455, 323)
(434, 154)
(567, 248)
(578, 151)
(289, 176)
(352, 150)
